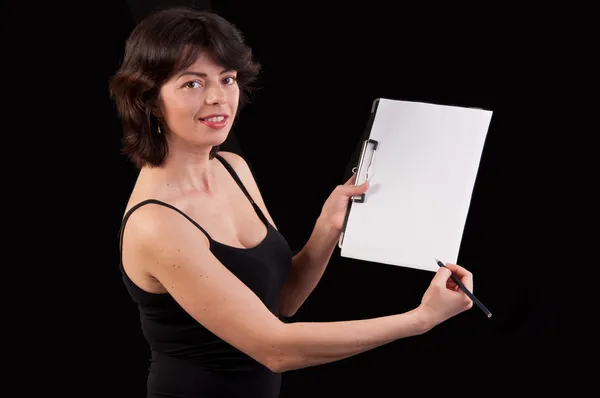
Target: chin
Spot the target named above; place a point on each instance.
(215, 139)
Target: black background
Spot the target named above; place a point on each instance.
(323, 64)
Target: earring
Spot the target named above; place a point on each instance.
(159, 132)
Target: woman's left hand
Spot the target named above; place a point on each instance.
(333, 212)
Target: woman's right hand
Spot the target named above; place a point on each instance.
(443, 299)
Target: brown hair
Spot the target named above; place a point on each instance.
(161, 45)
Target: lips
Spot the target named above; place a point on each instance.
(215, 117)
(215, 120)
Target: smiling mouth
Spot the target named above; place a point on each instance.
(214, 119)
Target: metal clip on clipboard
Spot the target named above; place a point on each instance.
(363, 172)
(365, 166)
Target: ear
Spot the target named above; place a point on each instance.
(156, 108)
(156, 111)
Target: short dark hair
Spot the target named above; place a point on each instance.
(161, 45)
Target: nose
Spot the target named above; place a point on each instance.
(215, 95)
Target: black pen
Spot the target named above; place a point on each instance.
(467, 292)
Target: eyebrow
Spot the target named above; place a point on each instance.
(200, 74)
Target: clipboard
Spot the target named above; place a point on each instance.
(422, 161)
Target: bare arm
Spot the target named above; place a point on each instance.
(305, 344)
(308, 267)
(173, 249)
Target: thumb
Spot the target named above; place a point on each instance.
(351, 190)
(351, 180)
(441, 277)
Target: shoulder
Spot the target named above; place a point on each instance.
(236, 160)
(155, 226)
(240, 165)
(148, 216)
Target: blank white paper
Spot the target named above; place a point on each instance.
(424, 173)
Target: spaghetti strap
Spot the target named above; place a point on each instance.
(158, 202)
(241, 185)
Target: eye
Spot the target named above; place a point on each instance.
(229, 80)
(192, 84)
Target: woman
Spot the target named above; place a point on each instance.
(200, 254)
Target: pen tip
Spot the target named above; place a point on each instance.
(437, 261)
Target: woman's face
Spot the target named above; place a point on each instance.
(198, 105)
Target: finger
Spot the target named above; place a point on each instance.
(350, 190)
(441, 277)
(351, 180)
(450, 284)
(467, 280)
(453, 288)
(465, 276)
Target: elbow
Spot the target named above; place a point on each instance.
(276, 364)
(287, 310)
(277, 355)
(279, 363)
(289, 302)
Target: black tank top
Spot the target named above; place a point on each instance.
(187, 359)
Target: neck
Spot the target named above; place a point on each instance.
(186, 173)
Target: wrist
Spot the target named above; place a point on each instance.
(325, 227)
(425, 319)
